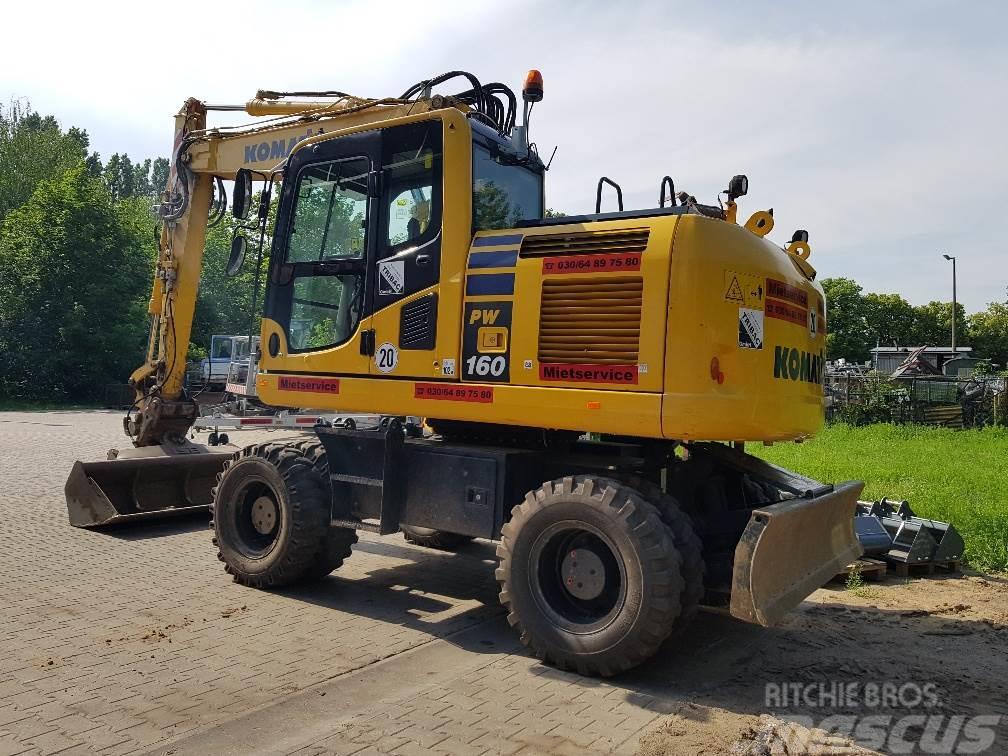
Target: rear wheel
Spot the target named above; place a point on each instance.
(590, 575)
(686, 540)
(434, 539)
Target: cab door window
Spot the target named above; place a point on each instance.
(327, 254)
(325, 311)
(411, 175)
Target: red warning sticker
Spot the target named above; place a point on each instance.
(591, 263)
(555, 371)
(453, 392)
(784, 311)
(787, 292)
(311, 385)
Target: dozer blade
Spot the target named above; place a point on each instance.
(147, 483)
(790, 549)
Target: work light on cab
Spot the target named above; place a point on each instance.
(532, 89)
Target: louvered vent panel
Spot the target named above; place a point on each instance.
(590, 243)
(417, 322)
(590, 321)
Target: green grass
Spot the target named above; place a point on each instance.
(959, 477)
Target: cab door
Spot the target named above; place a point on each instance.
(408, 248)
(316, 317)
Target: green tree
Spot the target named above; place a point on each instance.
(75, 272)
(847, 333)
(159, 175)
(889, 319)
(126, 181)
(934, 324)
(142, 179)
(33, 149)
(989, 333)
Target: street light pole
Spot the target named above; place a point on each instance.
(954, 308)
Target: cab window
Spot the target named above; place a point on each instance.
(503, 194)
(411, 174)
(329, 220)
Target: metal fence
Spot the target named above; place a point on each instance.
(930, 400)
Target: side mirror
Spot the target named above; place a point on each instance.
(237, 259)
(241, 198)
(737, 187)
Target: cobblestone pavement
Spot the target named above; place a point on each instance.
(135, 640)
(126, 639)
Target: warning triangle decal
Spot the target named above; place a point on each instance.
(734, 292)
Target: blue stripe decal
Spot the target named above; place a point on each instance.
(501, 259)
(493, 283)
(498, 241)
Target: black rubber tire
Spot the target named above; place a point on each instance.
(338, 541)
(302, 516)
(650, 575)
(434, 539)
(686, 540)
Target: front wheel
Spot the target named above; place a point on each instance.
(590, 575)
(270, 516)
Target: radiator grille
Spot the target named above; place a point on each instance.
(590, 243)
(590, 321)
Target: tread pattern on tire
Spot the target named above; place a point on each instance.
(437, 539)
(660, 565)
(338, 541)
(309, 545)
(687, 541)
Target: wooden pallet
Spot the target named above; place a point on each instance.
(871, 569)
(924, 568)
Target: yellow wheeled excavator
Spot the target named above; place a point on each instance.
(588, 382)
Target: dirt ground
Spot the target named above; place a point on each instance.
(948, 631)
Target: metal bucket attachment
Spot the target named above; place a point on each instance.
(950, 543)
(911, 542)
(146, 483)
(874, 538)
(914, 539)
(790, 549)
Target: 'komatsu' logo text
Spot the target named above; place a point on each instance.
(276, 149)
(796, 365)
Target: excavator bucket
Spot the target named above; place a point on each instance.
(790, 549)
(150, 482)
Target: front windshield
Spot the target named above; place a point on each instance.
(503, 194)
(220, 347)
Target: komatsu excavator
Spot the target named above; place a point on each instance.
(588, 382)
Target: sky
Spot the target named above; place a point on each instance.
(879, 127)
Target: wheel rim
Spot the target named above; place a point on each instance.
(257, 517)
(577, 576)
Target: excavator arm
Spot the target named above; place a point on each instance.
(166, 473)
